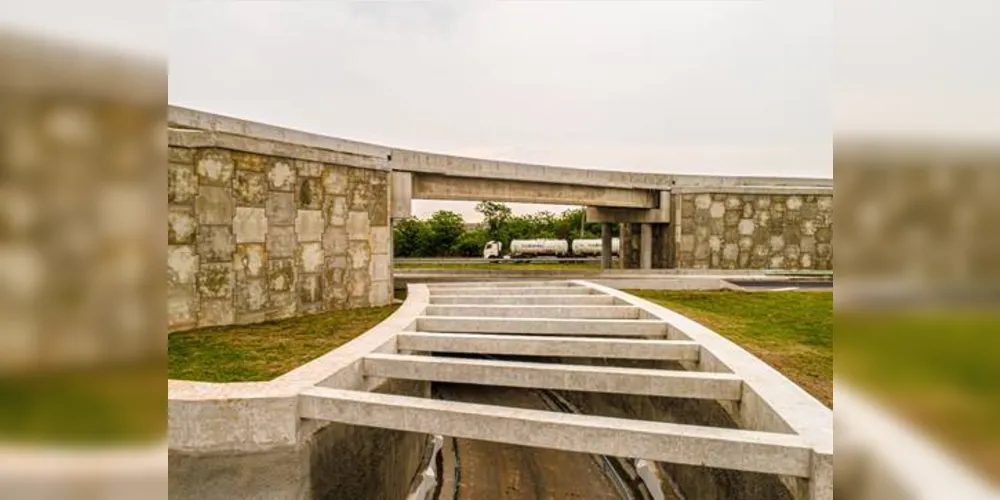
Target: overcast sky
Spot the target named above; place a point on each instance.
(687, 87)
(701, 86)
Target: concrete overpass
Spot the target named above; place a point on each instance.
(647, 206)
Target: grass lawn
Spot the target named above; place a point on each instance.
(524, 266)
(85, 407)
(793, 332)
(263, 351)
(939, 369)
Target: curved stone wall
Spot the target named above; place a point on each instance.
(260, 230)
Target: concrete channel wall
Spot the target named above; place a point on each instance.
(356, 422)
(246, 440)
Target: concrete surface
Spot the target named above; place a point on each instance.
(523, 345)
(664, 383)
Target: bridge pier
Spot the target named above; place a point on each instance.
(606, 246)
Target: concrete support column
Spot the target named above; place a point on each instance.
(606, 248)
(646, 246)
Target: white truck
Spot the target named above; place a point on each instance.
(539, 248)
(588, 248)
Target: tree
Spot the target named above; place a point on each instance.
(471, 243)
(446, 228)
(495, 216)
(411, 238)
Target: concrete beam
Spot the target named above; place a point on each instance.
(605, 379)
(514, 345)
(539, 290)
(769, 453)
(658, 215)
(446, 187)
(524, 299)
(573, 327)
(534, 311)
(400, 195)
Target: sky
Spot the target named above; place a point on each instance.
(700, 86)
(686, 87)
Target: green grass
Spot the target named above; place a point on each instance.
(939, 369)
(92, 407)
(546, 266)
(264, 351)
(793, 332)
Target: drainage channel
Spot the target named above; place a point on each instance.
(632, 479)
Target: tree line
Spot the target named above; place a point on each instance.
(444, 234)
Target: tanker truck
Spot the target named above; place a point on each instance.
(589, 248)
(547, 248)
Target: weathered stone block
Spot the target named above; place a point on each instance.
(215, 244)
(748, 211)
(358, 255)
(777, 243)
(310, 194)
(309, 168)
(335, 180)
(280, 241)
(180, 155)
(717, 209)
(215, 167)
(357, 284)
(182, 265)
(380, 294)
(310, 288)
(336, 210)
(745, 244)
(250, 161)
(335, 240)
(250, 261)
(805, 261)
(703, 201)
(281, 208)
(357, 226)
(808, 244)
(359, 195)
(251, 295)
(747, 227)
(824, 235)
(250, 188)
(182, 184)
(777, 262)
(824, 250)
(311, 257)
(702, 218)
(250, 225)
(807, 227)
(380, 240)
(730, 251)
(715, 244)
(380, 267)
(182, 307)
(701, 251)
(717, 227)
(734, 203)
(824, 203)
(281, 275)
(309, 225)
(215, 281)
(793, 202)
(281, 305)
(180, 226)
(214, 206)
(763, 203)
(687, 243)
(281, 176)
(732, 218)
(743, 262)
(215, 312)
(701, 233)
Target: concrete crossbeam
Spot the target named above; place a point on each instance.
(535, 311)
(524, 299)
(538, 290)
(534, 326)
(513, 345)
(606, 379)
(736, 449)
(448, 187)
(499, 284)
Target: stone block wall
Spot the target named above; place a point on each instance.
(255, 237)
(754, 231)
